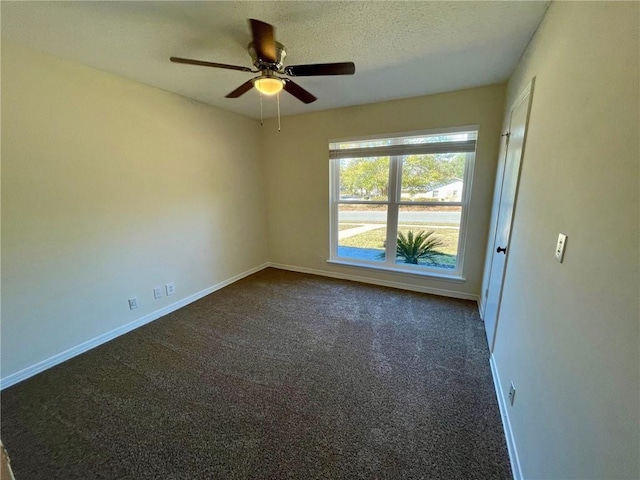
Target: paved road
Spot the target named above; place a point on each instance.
(435, 217)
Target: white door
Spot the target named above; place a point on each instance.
(500, 253)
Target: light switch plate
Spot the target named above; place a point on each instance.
(560, 246)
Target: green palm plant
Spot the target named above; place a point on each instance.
(414, 247)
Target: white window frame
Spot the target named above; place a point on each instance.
(393, 204)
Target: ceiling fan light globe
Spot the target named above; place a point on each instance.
(268, 85)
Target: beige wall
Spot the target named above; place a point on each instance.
(298, 176)
(110, 188)
(568, 334)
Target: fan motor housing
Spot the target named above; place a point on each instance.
(260, 64)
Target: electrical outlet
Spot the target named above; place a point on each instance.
(170, 288)
(157, 292)
(512, 393)
(133, 303)
(560, 246)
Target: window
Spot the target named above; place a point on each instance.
(400, 202)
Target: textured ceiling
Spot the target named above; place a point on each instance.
(401, 49)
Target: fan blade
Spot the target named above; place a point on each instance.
(241, 90)
(263, 40)
(344, 68)
(209, 64)
(298, 92)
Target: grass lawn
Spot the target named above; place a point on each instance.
(375, 238)
(371, 239)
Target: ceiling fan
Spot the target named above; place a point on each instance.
(268, 56)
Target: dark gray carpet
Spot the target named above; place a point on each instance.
(279, 376)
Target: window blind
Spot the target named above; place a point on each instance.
(401, 150)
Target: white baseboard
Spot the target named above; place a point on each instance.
(375, 281)
(506, 424)
(105, 337)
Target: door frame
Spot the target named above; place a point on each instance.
(527, 91)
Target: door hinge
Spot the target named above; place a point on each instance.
(508, 134)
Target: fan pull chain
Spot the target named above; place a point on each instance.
(278, 98)
(261, 122)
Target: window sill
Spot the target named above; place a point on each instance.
(401, 271)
